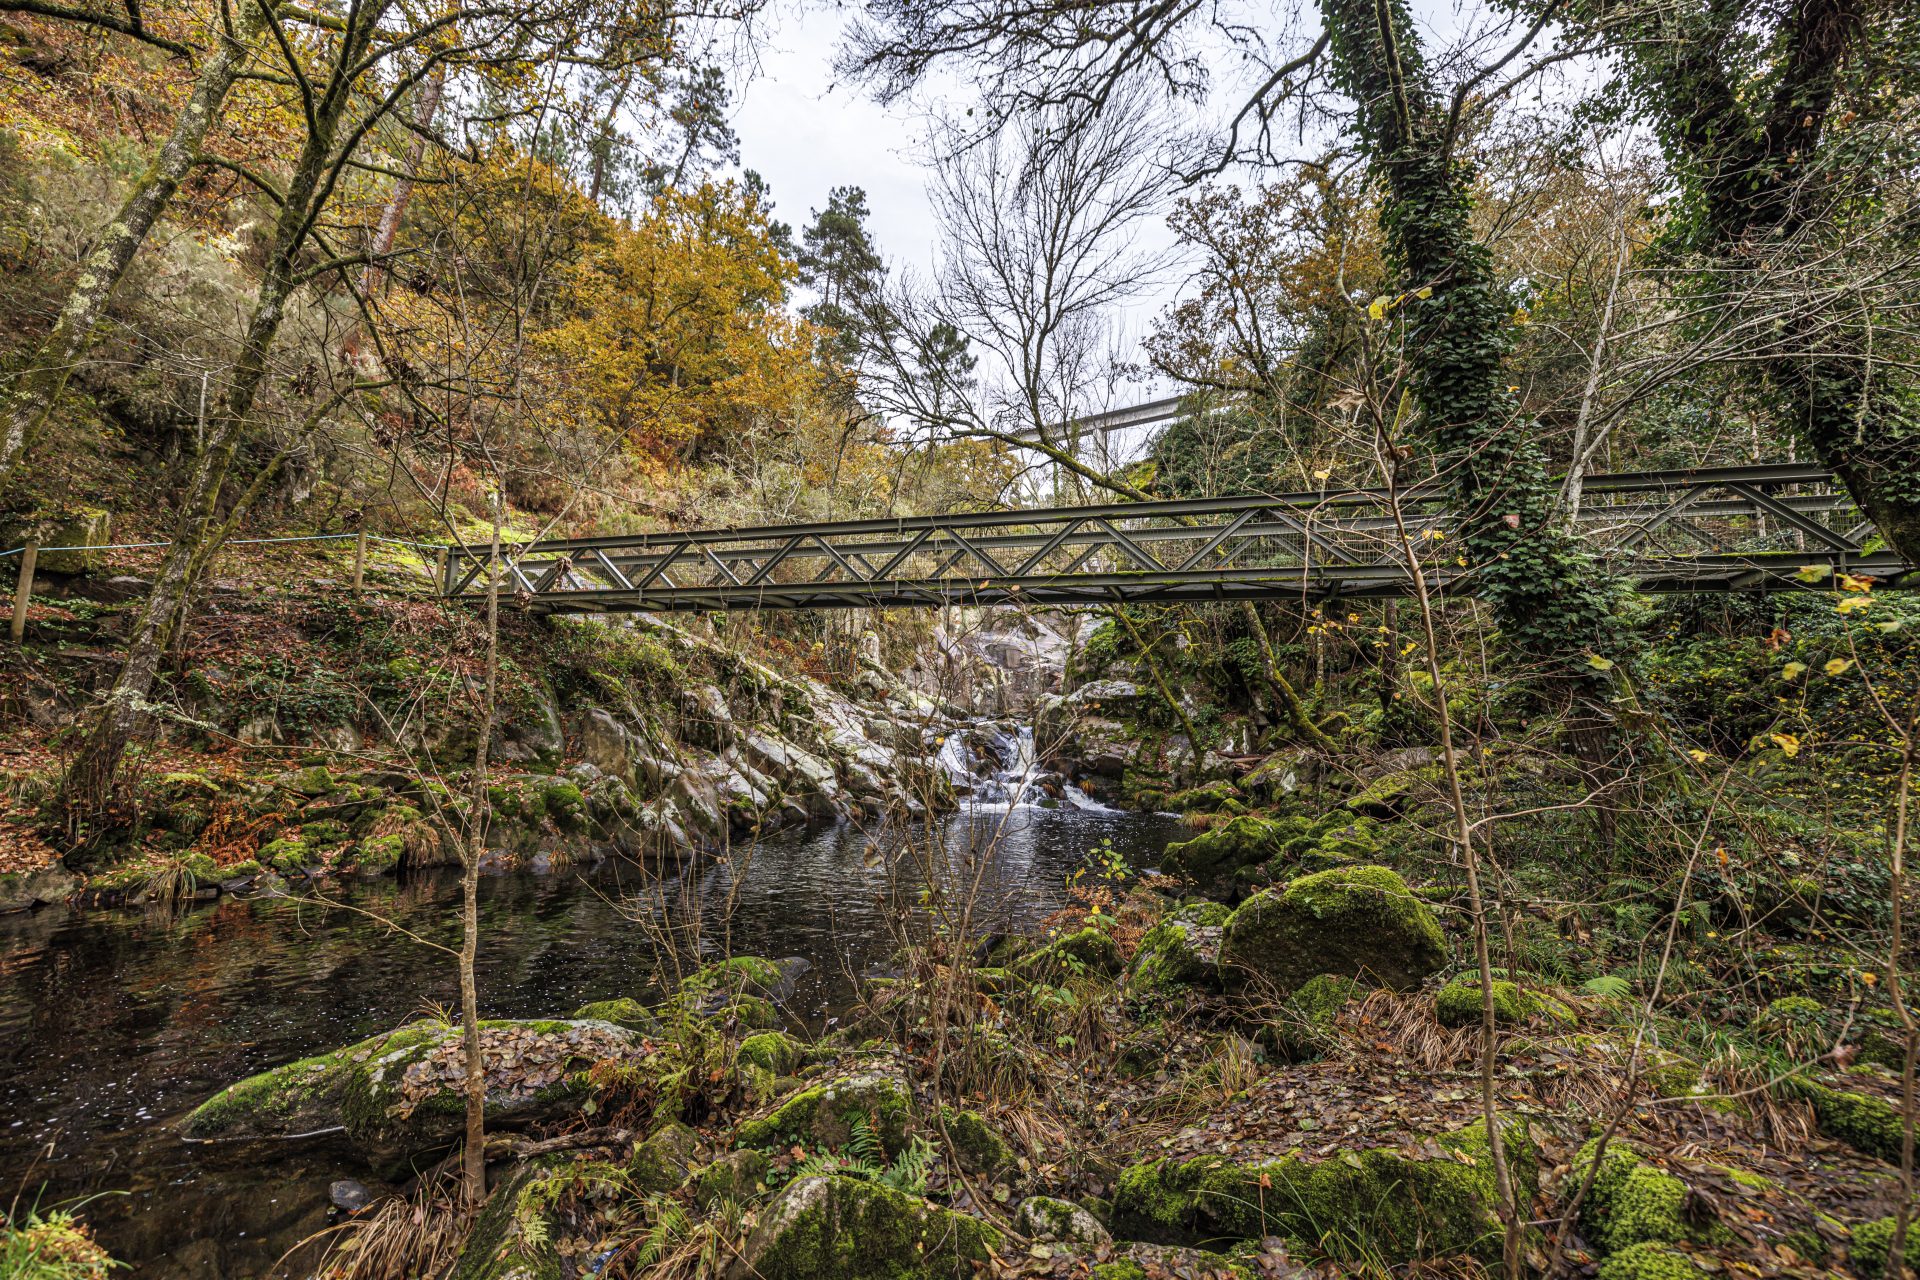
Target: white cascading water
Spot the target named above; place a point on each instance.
(998, 773)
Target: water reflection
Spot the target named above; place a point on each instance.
(115, 1024)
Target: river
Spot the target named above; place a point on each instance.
(114, 1024)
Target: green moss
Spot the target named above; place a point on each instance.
(775, 1051)
(977, 1145)
(1214, 797)
(1459, 1004)
(324, 834)
(1861, 1120)
(313, 782)
(1378, 1205)
(379, 855)
(1633, 1202)
(1047, 1218)
(1391, 794)
(565, 804)
(1873, 1242)
(289, 855)
(1350, 921)
(824, 1114)
(738, 1176)
(855, 1230)
(1170, 954)
(1088, 950)
(510, 1239)
(1301, 1030)
(245, 869)
(1649, 1261)
(664, 1161)
(1242, 842)
(624, 1011)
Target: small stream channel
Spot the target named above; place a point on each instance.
(114, 1024)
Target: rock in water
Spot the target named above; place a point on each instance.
(399, 1095)
(350, 1195)
(1351, 922)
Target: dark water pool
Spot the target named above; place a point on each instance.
(114, 1024)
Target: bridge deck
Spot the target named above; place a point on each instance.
(1715, 529)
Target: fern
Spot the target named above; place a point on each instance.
(908, 1172)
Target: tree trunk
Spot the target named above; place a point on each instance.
(1549, 597)
(92, 774)
(473, 1159)
(30, 399)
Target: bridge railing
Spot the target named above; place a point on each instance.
(1707, 529)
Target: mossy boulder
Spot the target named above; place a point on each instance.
(1047, 1218)
(1460, 1004)
(1634, 1202)
(825, 1114)
(1183, 949)
(738, 1176)
(288, 855)
(852, 1229)
(622, 1011)
(1864, 1121)
(1214, 797)
(1650, 1261)
(978, 1147)
(400, 1095)
(716, 984)
(81, 532)
(1380, 1205)
(1243, 842)
(1392, 794)
(774, 1051)
(313, 782)
(378, 855)
(1304, 1026)
(1873, 1243)
(511, 1238)
(665, 1160)
(1084, 951)
(1349, 922)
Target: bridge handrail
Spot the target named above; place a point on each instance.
(1768, 474)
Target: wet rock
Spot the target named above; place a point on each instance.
(855, 1230)
(350, 1195)
(21, 890)
(1349, 922)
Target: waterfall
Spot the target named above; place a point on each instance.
(992, 769)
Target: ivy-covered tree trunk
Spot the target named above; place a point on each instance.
(120, 716)
(1550, 598)
(30, 398)
(1747, 117)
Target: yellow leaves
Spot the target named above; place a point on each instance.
(1322, 475)
(1836, 666)
(1788, 743)
(1377, 309)
(1699, 756)
(1853, 604)
(1814, 572)
(1424, 292)
(1793, 671)
(1849, 582)
(1599, 663)
(1869, 977)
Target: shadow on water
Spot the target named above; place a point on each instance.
(114, 1024)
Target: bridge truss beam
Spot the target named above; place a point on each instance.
(1716, 529)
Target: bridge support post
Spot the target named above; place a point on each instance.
(23, 591)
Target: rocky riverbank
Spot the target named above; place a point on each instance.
(1280, 1079)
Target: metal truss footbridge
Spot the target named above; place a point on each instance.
(1709, 529)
